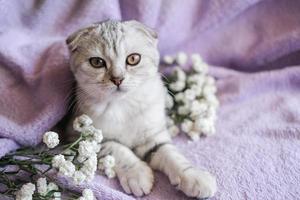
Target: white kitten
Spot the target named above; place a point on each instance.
(119, 87)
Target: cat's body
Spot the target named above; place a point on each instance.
(119, 87)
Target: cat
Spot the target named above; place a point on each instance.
(115, 64)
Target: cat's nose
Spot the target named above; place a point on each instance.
(117, 80)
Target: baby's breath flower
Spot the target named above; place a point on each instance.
(180, 74)
(87, 194)
(198, 108)
(196, 58)
(181, 58)
(168, 59)
(189, 94)
(187, 125)
(179, 97)
(58, 160)
(26, 192)
(200, 67)
(51, 139)
(88, 148)
(89, 167)
(194, 135)
(57, 196)
(42, 186)
(177, 86)
(98, 136)
(79, 177)
(81, 122)
(183, 110)
(52, 187)
(205, 126)
(67, 168)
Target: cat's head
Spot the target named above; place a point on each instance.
(112, 57)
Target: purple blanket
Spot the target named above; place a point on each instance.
(256, 44)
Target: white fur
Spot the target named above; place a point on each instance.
(132, 118)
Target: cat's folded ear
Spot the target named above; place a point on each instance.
(73, 40)
(149, 32)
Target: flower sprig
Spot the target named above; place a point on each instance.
(191, 97)
(77, 161)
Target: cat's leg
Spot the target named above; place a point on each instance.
(135, 176)
(164, 156)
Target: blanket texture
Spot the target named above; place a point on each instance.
(255, 44)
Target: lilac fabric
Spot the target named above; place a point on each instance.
(256, 44)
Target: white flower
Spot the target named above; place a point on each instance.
(196, 79)
(57, 196)
(168, 59)
(205, 126)
(98, 136)
(67, 168)
(179, 97)
(193, 135)
(51, 139)
(196, 58)
(90, 166)
(209, 80)
(189, 94)
(52, 187)
(212, 100)
(169, 101)
(198, 108)
(58, 160)
(197, 89)
(173, 130)
(87, 194)
(26, 192)
(187, 125)
(209, 90)
(183, 110)
(181, 58)
(82, 121)
(88, 148)
(180, 74)
(88, 130)
(79, 177)
(177, 86)
(110, 173)
(200, 67)
(42, 186)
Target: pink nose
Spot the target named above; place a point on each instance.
(116, 80)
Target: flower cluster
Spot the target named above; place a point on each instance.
(191, 97)
(106, 165)
(26, 192)
(42, 190)
(51, 139)
(45, 188)
(80, 159)
(87, 194)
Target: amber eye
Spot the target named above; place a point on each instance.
(133, 59)
(97, 62)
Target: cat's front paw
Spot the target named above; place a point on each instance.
(137, 180)
(199, 184)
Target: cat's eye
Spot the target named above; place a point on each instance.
(133, 59)
(97, 62)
